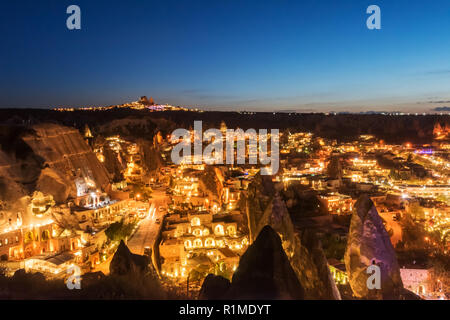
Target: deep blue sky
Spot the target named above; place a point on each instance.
(227, 54)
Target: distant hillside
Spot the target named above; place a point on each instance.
(344, 127)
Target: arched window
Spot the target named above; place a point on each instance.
(29, 237)
(198, 243)
(219, 230)
(197, 232)
(195, 221)
(188, 244)
(231, 230)
(205, 232)
(421, 290)
(220, 243)
(209, 242)
(45, 235)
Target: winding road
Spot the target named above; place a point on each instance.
(147, 232)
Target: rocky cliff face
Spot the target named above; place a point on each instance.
(56, 184)
(47, 158)
(369, 243)
(151, 157)
(259, 195)
(114, 163)
(64, 151)
(277, 216)
(19, 165)
(211, 182)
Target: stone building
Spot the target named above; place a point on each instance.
(197, 237)
(416, 280)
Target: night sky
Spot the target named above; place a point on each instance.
(281, 55)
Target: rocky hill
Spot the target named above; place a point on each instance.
(211, 182)
(369, 243)
(264, 207)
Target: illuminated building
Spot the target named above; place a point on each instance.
(337, 203)
(215, 237)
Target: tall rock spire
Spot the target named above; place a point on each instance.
(369, 243)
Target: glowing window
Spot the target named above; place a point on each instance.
(231, 230)
(220, 243)
(195, 221)
(188, 244)
(209, 242)
(29, 237)
(198, 243)
(219, 230)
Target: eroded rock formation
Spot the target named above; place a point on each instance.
(211, 182)
(264, 271)
(369, 243)
(151, 157)
(114, 163)
(55, 184)
(46, 158)
(125, 262)
(311, 267)
(259, 195)
(264, 206)
(214, 287)
(64, 150)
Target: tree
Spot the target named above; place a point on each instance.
(441, 272)
(119, 231)
(333, 246)
(394, 174)
(416, 211)
(414, 234)
(221, 269)
(443, 198)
